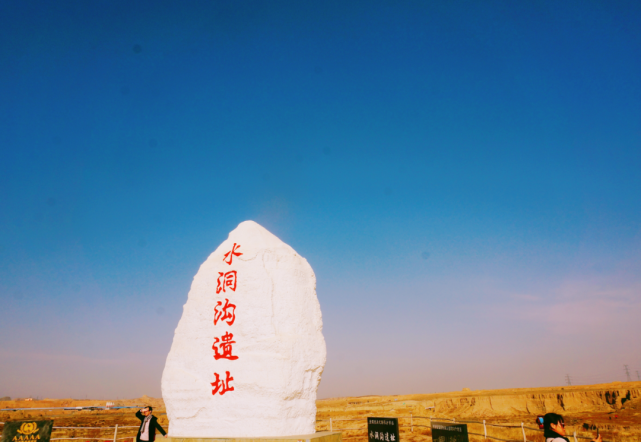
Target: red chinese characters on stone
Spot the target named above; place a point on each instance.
(226, 280)
(226, 313)
(222, 347)
(230, 255)
(222, 386)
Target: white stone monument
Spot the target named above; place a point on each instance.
(248, 352)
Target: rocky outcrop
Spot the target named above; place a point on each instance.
(566, 402)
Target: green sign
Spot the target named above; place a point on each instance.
(442, 432)
(382, 429)
(27, 431)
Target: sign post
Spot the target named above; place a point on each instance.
(27, 431)
(444, 432)
(382, 429)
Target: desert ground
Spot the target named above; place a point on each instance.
(615, 409)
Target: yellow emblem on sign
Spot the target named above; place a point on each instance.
(28, 428)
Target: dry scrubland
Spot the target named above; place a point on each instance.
(614, 408)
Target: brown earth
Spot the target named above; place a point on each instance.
(615, 409)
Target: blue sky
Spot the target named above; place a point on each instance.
(463, 178)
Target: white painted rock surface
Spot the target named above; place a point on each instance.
(277, 338)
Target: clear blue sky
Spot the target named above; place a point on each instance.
(463, 177)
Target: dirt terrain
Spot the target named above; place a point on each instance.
(615, 409)
(107, 419)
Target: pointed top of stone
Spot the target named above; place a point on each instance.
(252, 240)
(257, 235)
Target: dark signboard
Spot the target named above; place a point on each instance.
(27, 431)
(382, 429)
(444, 432)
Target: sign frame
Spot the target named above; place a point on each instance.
(27, 431)
(382, 429)
(449, 432)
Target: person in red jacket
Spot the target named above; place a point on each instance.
(148, 426)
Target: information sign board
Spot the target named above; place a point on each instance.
(382, 429)
(444, 432)
(27, 431)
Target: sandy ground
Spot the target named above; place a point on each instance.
(613, 408)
